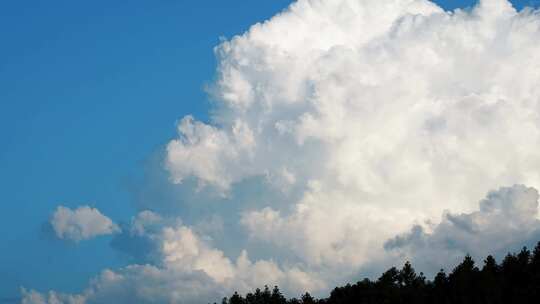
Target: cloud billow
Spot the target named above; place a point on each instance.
(368, 118)
(507, 219)
(80, 224)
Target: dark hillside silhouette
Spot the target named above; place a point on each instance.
(515, 280)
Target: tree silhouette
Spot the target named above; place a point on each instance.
(516, 280)
(308, 299)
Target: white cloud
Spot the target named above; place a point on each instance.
(507, 219)
(34, 297)
(185, 269)
(369, 116)
(81, 224)
(384, 113)
(204, 151)
(137, 284)
(178, 247)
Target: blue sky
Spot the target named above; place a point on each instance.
(89, 91)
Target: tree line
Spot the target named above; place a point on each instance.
(515, 280)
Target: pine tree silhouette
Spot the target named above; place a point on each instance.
(515, 281)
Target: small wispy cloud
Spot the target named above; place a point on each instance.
(80, 224)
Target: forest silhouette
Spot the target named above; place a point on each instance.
(515, 280)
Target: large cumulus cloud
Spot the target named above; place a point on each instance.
(359, 119)
(374, 115)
